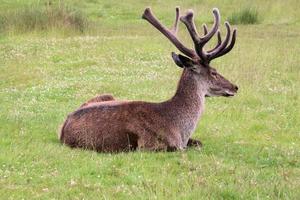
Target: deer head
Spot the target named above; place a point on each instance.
(197, 60)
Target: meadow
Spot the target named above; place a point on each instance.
(251, 141)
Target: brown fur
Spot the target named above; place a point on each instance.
(112, 126)
(99, 98)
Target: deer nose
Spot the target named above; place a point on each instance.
(236, 88)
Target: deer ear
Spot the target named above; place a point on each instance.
(182, 61)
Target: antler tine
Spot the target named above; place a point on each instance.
(218, 44)
(215, 28)
(171, 35)
(215, 52)
(205, 29)
(229, 47)
(188, 20)
(175, 26)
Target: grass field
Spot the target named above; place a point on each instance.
(251, 142)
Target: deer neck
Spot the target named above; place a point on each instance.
(186, 106)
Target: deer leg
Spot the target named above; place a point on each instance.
(149, 143)
(153, 142)
(194, 143)
(174, 142)
(99, 98)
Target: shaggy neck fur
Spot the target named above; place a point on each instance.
(187, 104)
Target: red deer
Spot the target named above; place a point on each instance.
(104, 124)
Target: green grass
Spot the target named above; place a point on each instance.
(42, 16)
(244, 16)
(251, 142)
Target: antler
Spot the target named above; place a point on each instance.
(199, 42)
(221, 48)
(171, 34)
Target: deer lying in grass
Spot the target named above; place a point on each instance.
(108, 125)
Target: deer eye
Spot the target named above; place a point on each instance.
(213, 73)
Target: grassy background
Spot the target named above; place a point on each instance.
(251, 142)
